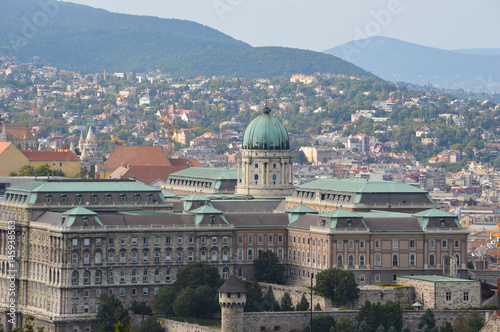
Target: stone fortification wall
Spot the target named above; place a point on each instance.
(175, 326)
(490, 276)
(402, 295)
(297, 321)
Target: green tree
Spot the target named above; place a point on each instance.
(446, 327)
(286, 302)
(162, 302)
(254, 296)
(303, 304)
(427, 319)
(406, 328)
(381, 328)
(26, 170)
(338, 285)
(321, 324)
(343, 324)
(198, 274)
(28, 326)
(317, 307)
(111, 312)
(141, 308)
(185, 303)
(473, 322)
(150, 324)
(267, 268)
(269, 301)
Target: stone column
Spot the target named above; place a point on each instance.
(239, 169)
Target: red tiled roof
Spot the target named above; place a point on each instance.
(146, 174)
(137, 156)
(184, 161)
(51, 155)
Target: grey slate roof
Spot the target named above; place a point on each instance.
(232, 285)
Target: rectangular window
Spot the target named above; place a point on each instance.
(394, 259)
(445, 244)
(167, 240)
(280, 238)
(145, 240)
(225, 239)
(378, 260)
(75, 242)
(432, 243)
(260, 239)
(190, 239)
(122, 241)
(214, 239)
(98, 241)
(240, 238)
(377, 244)
(412, 259)
(157, 240)
(179, 256)
(377, 278)
(340, 244)
(179, 239)
(457, 244)
(250, 254)
(133, 291)
(240, 254)
(270, 239)
(250, 238)
(280, 253)
(86, 242)
(448, 296)
(466, 296)
(122, 291)
(395, 244)
(412, 244)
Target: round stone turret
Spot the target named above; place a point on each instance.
(232, 300)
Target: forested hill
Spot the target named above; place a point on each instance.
(77, 37)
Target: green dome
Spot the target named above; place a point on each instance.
(265, 132)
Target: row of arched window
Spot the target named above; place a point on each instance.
(121, 257)
(121, 276)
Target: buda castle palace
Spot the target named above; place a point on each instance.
(63, 242)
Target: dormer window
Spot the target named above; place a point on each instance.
(64, 199)
(85, 221)
(123, 198)
(107, 198)
(323, 222)
(137, 198)
(93, 198)
(79, 198)
(441, 223)
(349, 223)
(48, 199)
(212, 220)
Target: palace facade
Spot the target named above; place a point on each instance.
(77, 239)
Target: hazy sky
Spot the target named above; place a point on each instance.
(322, 24)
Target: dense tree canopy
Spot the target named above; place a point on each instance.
(337, 285)
(267, 268)
(111, 312)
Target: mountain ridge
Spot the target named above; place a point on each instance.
(79, 37)
(397, 60)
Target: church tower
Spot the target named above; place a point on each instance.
(265, 167)
(232, 300)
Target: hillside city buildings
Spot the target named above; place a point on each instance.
(77, 239)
